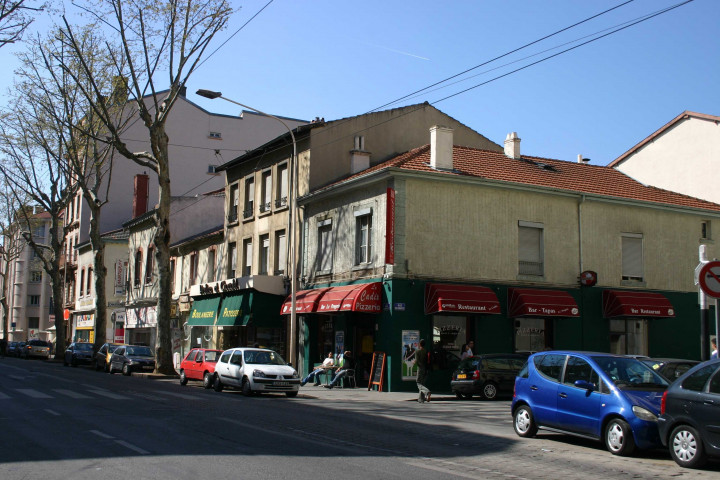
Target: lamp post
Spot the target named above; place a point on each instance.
(291, 214)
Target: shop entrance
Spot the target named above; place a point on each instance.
(533, 334)
(628, 336)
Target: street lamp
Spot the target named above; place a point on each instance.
(291, 214)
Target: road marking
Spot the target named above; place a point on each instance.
(179, 395)
(132, 447)
(109, 395)
(52, 412)
(32, 393)
(101, 434)
(70, 393)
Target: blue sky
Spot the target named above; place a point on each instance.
(334, 59)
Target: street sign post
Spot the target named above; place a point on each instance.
(709, 279)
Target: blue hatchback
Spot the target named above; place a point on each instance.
(607, 397)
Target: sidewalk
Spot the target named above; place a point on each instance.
(362, 394)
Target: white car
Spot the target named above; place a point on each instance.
(255, 370)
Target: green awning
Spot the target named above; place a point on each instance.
(204, 312)
(251, 307)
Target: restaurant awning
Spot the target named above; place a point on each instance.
(623, 303)
(204, 312)
(460, 299)
(258, 309)
(530, 302)
(365, 297)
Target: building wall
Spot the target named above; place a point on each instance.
(683, 159)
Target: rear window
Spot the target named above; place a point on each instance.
(38, 343)
(211, 356)
(84, 346)
(697, 381)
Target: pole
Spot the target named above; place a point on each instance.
(704, 308)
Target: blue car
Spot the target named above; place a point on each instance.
(612, 398)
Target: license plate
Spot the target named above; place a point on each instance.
(462, 376)
(281, 384)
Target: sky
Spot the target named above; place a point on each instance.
(336, 59)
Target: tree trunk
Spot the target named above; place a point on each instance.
(98, 247)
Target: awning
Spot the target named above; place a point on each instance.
(530, 302)
(623, 303)
(460, 299)
(365, 297)
(204, 312)
(246, 307)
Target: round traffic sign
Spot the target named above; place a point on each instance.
(709, 279)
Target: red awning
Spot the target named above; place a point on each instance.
(618, 303)
(529, 302)
(460, 299)
(366, 297)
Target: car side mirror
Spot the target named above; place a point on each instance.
(585, 385)
(289, 364)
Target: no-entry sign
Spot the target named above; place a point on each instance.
(709, 279)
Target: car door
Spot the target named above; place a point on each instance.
(578, 409)
(544, 387)
(189, 364)
(708, 409)
(117, 358)
(198, 365)
(235, 368)
(222, 368)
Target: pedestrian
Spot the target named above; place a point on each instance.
(421, 362)
(713, 346)
(471, 345)
(464, 351)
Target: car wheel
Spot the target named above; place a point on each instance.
(110, 369)
(246, 388)
(686, 447)
(292, 394)
(183, 378)
(619, 438)
(207, 380)
(126, 370)
(524, 423)
(489, 391)
(217, 384)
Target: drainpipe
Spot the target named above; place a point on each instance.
(580, 259)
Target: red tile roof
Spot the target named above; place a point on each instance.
(559, 175)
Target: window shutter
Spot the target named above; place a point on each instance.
(632, 261)
(530, 258)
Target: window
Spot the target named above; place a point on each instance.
(324, 246)
(215, 135)
(248, 208)
(628, 336)
(172, 275)
(232, 260)
(39, 232)
(550, 366)
(281, 195)
(33, 322)
(247, 257)
(530, 249)
(705, 232)
(578, 369)
(697, 381)
(264, 254)
(34, 300)
(149, 264)
(88, 287)
(82, 283)
(234, 200)
(359, 142)
(212, 255)
(138, 268)
(266, 191)
(36, 276)
(193, 268)
(280, 251)
(363, 237)
(632, 257)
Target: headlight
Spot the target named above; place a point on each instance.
(258, 373)
(644, 414)
(295, 374)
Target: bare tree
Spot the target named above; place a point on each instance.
(148, 40)
(14, 19)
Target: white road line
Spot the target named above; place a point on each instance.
(70, 393)
(32, 393)
(52, 412)
(132, 447)
(179, 395)
(109, 395)
(101, 434)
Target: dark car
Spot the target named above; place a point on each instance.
(689, 421)
(18, 348)
(11, 348)
(35, 348)
(132, 358)
(670, 368)
(199, 364)
(78, 353)
(102, 357)
(487, 375)
(611, 398)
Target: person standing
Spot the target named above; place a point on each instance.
(470, 346)
(464, 352)
(713, 346)
(421, 361)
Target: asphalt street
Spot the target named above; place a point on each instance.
(63, 422)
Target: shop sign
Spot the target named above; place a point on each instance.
(390, 228)
(399, 307)
(410, 343)
(339, 342)
(120, 269)
(141, 317)
(85, 321)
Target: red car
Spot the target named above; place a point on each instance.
(199, 364)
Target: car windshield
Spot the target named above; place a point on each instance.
(263, 357)
(112, 348)
(211, 356)
(630, 373)
(139, 351)
(470, 363)
(84, 346)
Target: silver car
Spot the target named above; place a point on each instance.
(35, 348)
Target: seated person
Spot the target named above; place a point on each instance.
(327, 363)
(345, 365)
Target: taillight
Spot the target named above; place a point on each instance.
(663, 401)
(476, 374)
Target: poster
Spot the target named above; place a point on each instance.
(410, 340)
(339, 343)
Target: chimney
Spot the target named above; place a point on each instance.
(582, 160)
(512, 145)
(183, 91)
(140, 197)
(441, 147)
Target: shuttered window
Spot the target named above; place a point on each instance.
(324, 254)
(530, 249)
(632, 256)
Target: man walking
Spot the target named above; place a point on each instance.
(421, 361)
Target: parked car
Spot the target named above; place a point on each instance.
(255, 370)
(11, 348)
(132, 358)
(670, 368)
(35, 348)
(102, 357)
(689, 421)
(199, 364)
(612, 398)
(487, 375)
(18, 348)
(78, 353)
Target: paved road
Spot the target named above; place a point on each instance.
(63, 422)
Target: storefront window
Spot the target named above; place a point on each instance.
(628, 336)
(530, 335)
(449, 333)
